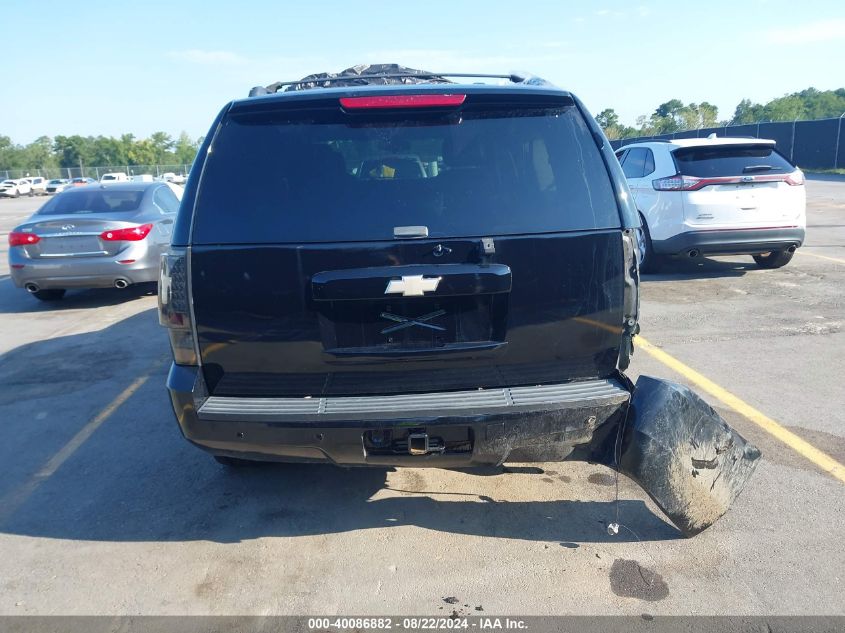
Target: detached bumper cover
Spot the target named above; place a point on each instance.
(658, 433)
(731, 242)
(683, 454)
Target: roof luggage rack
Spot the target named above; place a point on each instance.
(380, 74)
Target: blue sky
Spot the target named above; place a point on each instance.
(114, 67)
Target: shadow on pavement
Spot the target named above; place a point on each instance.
(701, 268)
(136, 479)
(18, 301)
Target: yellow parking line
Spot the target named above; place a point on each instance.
(10, 502)
(820, 459)
(830, 259)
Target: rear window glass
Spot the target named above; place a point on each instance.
(486, 173)
(93, 201)
(730, 160)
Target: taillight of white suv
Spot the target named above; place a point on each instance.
(679, 182)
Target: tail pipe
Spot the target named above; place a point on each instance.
(120, 283)
(693, 253)
(31, 287)
(683, 454)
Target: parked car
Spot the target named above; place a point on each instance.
(480, 315)
(142, 178)
(81, 182)
(57, 185)
(38, 184)
(716, 196)
(170, 176)
(93, 237)
(116, 176)
(15, 187)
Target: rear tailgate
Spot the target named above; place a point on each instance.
(740, 185)
(339, 251)
(76, 223)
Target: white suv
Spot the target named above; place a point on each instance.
(13, 188)
(716, 196)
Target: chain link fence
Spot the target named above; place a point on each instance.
(84, 171)
(817, 144)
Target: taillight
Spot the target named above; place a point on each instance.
(132, 234)
(402, 101)
(795, 178)
(630, 297)
(174, 305)
(691, 183)
(677, 183)
(22, 239)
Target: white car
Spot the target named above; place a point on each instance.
(15, 188)
(38, 184)
(57, 185)
(716, 196)
(169, 176)
(116, 176)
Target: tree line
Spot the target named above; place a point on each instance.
(82, 151)
(674, 116)
(161, 149)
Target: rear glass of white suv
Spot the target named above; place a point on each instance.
(730, 160)
(323, 177)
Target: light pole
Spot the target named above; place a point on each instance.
(792, 146)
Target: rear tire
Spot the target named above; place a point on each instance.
(53, 294)
(775, 259)
(651, 261)
(233, 462)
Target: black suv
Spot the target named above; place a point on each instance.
(388, 267)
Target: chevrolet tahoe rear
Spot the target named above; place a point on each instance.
(441, 275)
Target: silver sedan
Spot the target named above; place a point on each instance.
(96, 236)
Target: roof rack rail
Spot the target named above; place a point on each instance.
(321, 81)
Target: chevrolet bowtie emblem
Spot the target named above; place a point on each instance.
(412, 285)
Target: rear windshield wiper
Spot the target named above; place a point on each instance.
(759, 168)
